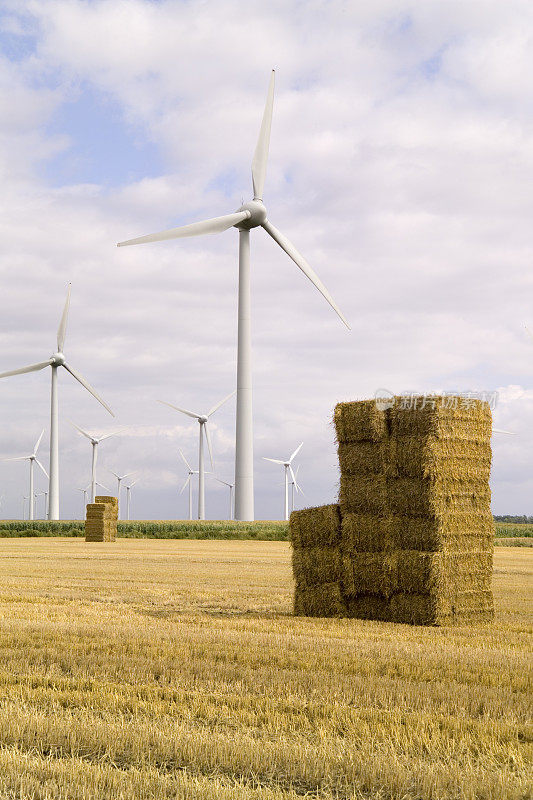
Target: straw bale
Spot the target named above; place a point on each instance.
(451, 531)
(363, 494)
(368, 606)
(432, 457)
(359, 421)
(424, 497)
(325, 600)
(107, 499)
(435, 609)
(315, 527)
(444, 573)
(366, 532)
(358, 458)
(315, 565)
(438, 417)
(368, 573)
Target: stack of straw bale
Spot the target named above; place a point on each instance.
(101, 522)
(413, 535)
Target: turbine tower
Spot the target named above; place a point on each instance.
(188, 482)
(95, 441)
(288, 469)
(231, 487)
(55, 361)
(32, 458)
(119, 479)
(204, 430)
(250, 215)
(128, 490)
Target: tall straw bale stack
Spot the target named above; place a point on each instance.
(101, 519)
(413, 534)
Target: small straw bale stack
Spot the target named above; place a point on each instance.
(101, 521)
(414, 535)
(316, 562)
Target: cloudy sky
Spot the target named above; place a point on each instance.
(401, 166)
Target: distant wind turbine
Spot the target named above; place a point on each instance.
(119, 479)
(250, 215)
(55, 361)
(188, 482)
(32, 458)
(95, 441)
(295, 485)
(204, 430)
(231, 487)
(45, 495)
(288, 469)
(24, 498)
(128, 490)
(84, 498)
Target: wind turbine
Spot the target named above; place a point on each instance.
(55, 361)
(119, 479)
(32, 458)
(128, 490)
(188, 482)
(250, 215)
(84, 498)
(295, 485)
(288, 469)
(95, 441)
(45, 495)
(204, 430)
(231, 487)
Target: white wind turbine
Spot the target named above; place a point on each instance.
(250, 215)
(32, 458)
(204, 430)
(119, 479)
(55, 361)
(295, 485)
(45, 495)
(128, 490)
(231, 487)
(288, 469)
(95, 441)
(84, 498)
(188, 482)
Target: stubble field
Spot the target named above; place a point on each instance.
(173, 669)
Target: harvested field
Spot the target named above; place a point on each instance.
(174, 669)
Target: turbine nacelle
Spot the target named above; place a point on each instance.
(202, 420)
(57, 360)
(257, 212)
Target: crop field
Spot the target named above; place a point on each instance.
(174, 669)
(510, 534)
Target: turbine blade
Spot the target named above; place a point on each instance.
(215, 408)
(260, 159)
(528, 332)
(88, 386)
(61, 331)
(115, 474)
(101, 485)
(293, 476)
(88, 435)
(296, 452)
(41, 466)
(300, 261)
(108, 436)
(508, 433)
(186, 462)
(184, 485)
(133, 483)
(183, 410)
(22, 370)
(209, 447)
(274, 460)
(215, 225)
(18, 458)
(38, 442)
(221, 481)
